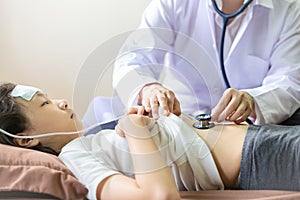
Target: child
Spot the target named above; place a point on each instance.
(152, 159)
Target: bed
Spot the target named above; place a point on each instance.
(29, 174)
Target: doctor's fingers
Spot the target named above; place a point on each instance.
(243, 117)
(238, 108)
(168, 102)
(165, 99)
(247, 106)
(242, 112)
(229, 102)
(171, 103)
(218, 112)
(151, 105)
(140, 110)
(176, 107)
(226, 112)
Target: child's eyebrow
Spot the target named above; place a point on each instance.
(41, 94)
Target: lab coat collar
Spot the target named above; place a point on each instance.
(220, 3)
(264, 3)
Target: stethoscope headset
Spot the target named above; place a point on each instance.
(204, 119)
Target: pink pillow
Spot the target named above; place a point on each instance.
(33, 171)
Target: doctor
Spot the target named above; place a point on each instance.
(180, 39)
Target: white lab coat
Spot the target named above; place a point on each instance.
(263, 59)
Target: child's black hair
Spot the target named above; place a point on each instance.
(13, 119)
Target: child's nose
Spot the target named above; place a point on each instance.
(63, 104)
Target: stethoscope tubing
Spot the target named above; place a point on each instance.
(226, 17)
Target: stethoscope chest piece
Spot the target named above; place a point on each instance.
(204, 121)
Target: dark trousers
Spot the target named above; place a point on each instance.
(293, 120)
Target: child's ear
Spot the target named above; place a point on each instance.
(26, 142)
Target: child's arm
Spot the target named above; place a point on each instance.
(153, 178)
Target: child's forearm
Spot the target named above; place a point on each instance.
(152, 173)
(149, 165)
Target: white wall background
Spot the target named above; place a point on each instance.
(44, 43)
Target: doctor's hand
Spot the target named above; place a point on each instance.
(235, 106)
(154, 95)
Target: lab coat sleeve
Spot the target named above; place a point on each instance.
(141, 59)
(279, 96)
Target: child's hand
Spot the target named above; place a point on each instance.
(119, 131)
(135, 125)
(140, 110)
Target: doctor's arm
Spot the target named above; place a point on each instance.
(273, 102)
(153, 178)
(136, 76)
(279, 96)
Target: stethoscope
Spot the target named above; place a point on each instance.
(204, 119)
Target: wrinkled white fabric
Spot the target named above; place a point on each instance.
(92, 158)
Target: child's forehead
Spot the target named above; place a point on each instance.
(25, 92)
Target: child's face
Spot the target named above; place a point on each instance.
(48, 116)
